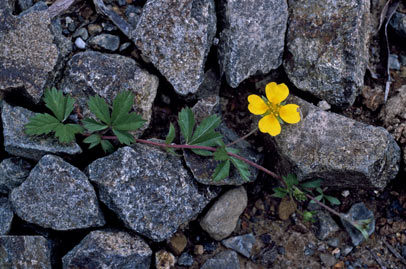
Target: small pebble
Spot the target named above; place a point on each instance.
(82, 33)
(124, 46)
(281, 250)
(80, 44)
(394, 62)
(199, 250)
(122, 2)
(94, 29)
(323, 105)
(185, 259)
(345, 193)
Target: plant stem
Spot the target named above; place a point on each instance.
(243, 137)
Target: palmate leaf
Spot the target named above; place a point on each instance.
(311, 184)
(128, 122)
(41, 124)
(122, 104)
(66, 132)
(93, 140)
(93, 126)
(279, 192)
(59, 104)
(171, 134)
(100, 109)
(124, 137)
(186, 122)
(107, 146)
(222, 171)
(290, 180)
(205, 130)
(242, 167)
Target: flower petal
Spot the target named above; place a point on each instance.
(256, 105)
(276, 93)
(269, 124)
(290, 113)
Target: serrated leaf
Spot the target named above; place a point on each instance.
(318, 198)
(209, 140)
(279, 192)
(221, 154)
(332, 200)
(93, 125)
(107, 146)
(186, 122)
(66, 132)
(202, 152)
(122, 105)
(41, 124)
(93, 140)
(100, 109)
(222, 171)
(59, 104)
(290, 180)
(205, 130)
(242, 168)
(311, 184)
(124, 137)
(128, 122)
(171, 134)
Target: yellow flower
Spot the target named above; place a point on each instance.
(272, 110)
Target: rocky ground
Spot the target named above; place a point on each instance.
(65, 206)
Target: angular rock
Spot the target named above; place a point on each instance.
(6, 215)
(105, 41)
(224, 260)
(178, 243)
(89, 73)
(13, 172)
(359, 212)
(24, 251)
(221, 219)
(325, 225)
(164, 260)
(185, 259)
(252, 39)
(57, 195)
(242, 244)
(327, 48)
(176, 37)
(30, 55)
(149, 190)
(343, 152)
(17, 143)
(109, 249)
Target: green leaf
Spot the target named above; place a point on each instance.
(202, 152)
(107, 146)
(41, 124)
(222, 171)
(124, 137)
(311, 184)
(122, 104)
(93, 140)
(221, 154)
(172, 151)
(171, 134)
(308, 216)
(59, 104)
(186, 122)
(66, 132)
(209, 140)
(332, 200)
(205, 130)
(318, 198)
(100, 109)
(242, 168)
(128, 122)
(92, 125)
(279, 192)
(290, 180)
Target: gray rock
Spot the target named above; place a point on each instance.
(149, 190)
(133, 14)
(327, 48)
(57, 195)
(358, 212)
(30, 56)
(6, 216)
(242, 244)
(105, 41)
(80, 44)
(89, 73)
(24, 251)
(176, 37)
(343, 152)
(224, 260)
(82, 33)
(24, 4)
(17, 143)
(398, 24)
(252, 39)
(333, 242)
(125, 46)
(185, 259)
(394, 62)
(325, 225)
(268, 255)
(109, 249)
(327, 260)
(203, 167)
(221, 219)
(39, 6)
(210, 87)
(13, 172)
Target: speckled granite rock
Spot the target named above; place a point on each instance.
(342, 151)
(224, 260)
(89, 73)
(30, 54)
(252, 39)
(13, 172)
(24, 251)
(109, 249)
(149, 190)
(327, 48)
(176, 37)
(6, 216)
(17, 143)
(57, 195)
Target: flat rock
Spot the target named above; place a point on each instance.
(242, 244)
(221, 219)
(325, 225)
(17, 143)
(327, 48)
(57, 195)
(176, 37)
(13, 172)
(224, 260)
(343, 152)
(149, 189)
(105, 41)
(109, 249)
(6, 216)
(252, 39)
(89, 73)
(29, 52)
(26, 251)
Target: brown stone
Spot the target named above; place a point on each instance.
(198, 250)
(177, 243)
(286, 208)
